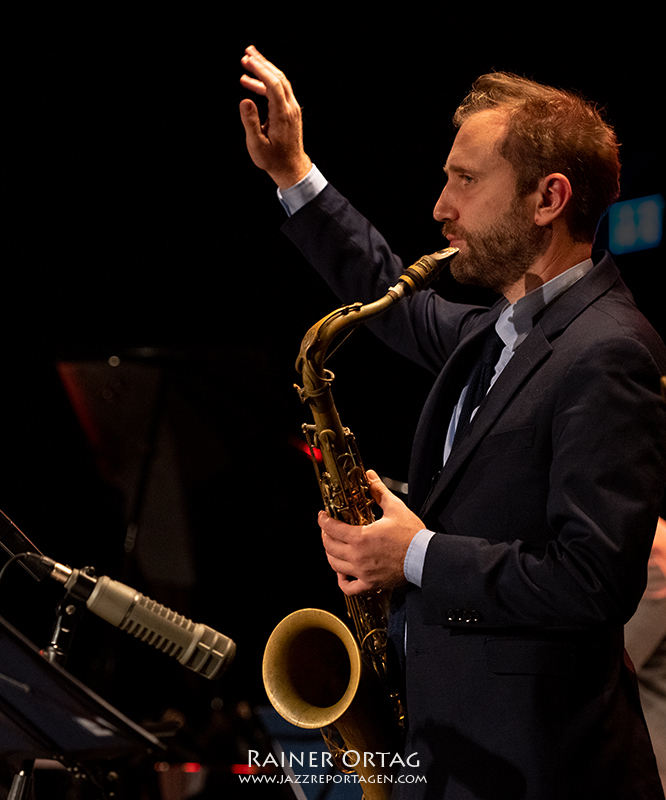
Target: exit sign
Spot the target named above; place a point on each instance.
(636, 224)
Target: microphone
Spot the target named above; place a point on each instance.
(194, 645)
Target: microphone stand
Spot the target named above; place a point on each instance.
(70, 609)
(68, 613)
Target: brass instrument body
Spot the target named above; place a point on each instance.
(315, 677)
(342, 480)
(352, 693)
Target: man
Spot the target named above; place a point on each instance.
(524, 546)
(645, 640)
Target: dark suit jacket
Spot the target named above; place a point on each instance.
(544, 514)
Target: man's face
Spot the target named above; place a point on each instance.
(481, 214)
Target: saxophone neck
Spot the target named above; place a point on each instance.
(317, 341)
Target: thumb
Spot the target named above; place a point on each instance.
(250, 117)
(380, 492)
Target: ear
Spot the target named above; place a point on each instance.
(553, 194)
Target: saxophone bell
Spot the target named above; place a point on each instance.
(315, 677)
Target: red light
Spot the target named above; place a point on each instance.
(188, 766)
(299, 444)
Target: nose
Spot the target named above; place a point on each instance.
(443, 208)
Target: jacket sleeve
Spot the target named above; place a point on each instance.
(564, 534)
(359, 266)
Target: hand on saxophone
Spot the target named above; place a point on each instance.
(374, 554)
(275, 146)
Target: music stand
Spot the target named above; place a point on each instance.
(47, 713)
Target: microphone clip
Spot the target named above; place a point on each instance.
(79, 584)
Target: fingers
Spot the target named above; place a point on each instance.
(345, 554)
(337, 530)
(269, 81)
(338, 553)
(258, 87)
(352, 586)
(336, 537)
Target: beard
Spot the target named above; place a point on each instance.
(499, 256)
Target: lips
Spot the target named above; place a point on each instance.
(450, 233)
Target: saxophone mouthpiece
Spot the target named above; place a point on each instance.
(426, 269)
(447, 252)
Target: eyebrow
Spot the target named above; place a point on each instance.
(458, 169)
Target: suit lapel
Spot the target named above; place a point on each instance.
(428, 449)
(534, 350)
(530, 355)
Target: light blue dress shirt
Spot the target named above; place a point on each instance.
(299, 194)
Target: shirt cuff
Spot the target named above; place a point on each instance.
(296, 196)
(415, 558)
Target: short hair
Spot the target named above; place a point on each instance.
(552, 130)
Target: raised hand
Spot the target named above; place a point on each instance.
(276, 145)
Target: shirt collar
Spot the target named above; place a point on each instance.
(517, 319)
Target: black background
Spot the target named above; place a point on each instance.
(135, 219)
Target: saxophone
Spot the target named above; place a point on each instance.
(316, 673)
